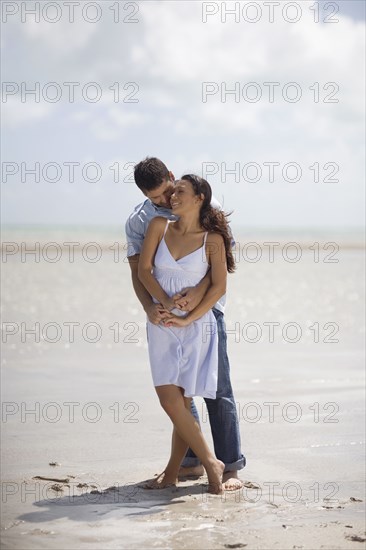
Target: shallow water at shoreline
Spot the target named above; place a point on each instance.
(296, 345)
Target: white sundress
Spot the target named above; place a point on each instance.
(184, 356)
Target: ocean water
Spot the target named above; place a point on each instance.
(298, 291)
(106, 235)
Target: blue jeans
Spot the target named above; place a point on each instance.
(222, 412)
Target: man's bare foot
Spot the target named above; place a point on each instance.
(231, 482)
(214, 474)
(162, 481)
(191, 472)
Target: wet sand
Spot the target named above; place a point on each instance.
(97, 419)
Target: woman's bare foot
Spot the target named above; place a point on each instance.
(231, 481)
(191, 472)
(162, 481)
(214, 474)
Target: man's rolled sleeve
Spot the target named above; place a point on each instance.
(134, 235)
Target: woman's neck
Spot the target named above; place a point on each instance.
(188, 223)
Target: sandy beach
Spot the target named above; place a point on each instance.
(81, 398)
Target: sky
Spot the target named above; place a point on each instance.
(266, 102)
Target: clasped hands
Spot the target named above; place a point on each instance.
(161, 313)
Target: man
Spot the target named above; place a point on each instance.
(157, 184)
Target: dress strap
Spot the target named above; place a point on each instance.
(166, 227)
(205, 238)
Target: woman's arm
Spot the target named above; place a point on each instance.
(217, 259)
(153, 236)
(189, 298)
(155, 312)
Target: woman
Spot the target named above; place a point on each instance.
(183, 349)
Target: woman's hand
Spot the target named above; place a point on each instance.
(188, 298)
(176, 321)
(169, 304)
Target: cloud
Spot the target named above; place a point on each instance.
(17, 114)
(169, 54)
(66, 40)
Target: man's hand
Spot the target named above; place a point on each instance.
(188, 298)
(176, 321)
(156, 313)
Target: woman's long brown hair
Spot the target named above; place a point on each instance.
(211, 218)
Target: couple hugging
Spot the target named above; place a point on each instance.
(179, 252)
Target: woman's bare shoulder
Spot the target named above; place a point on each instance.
(158, 223)
(214, 238)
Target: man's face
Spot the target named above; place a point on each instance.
(160, 196)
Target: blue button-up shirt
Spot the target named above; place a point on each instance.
(138, 222)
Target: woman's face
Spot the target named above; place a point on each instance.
(184, 199)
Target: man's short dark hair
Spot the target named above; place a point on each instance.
(150, 173)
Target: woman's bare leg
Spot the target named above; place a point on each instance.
(175, 405)
(190, 472)
(178, 451)
(179, 446)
